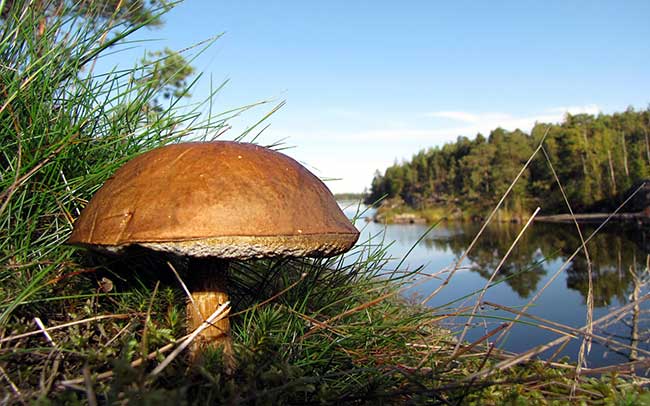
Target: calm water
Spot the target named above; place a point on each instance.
(617, 258)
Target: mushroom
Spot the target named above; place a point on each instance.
(214, 202)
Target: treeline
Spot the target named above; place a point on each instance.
(596, 158)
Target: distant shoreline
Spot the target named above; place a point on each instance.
(430, 216)
(350, 196)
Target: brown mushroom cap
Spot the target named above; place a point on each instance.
(221, 199)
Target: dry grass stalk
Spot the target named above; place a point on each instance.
(221, 312)
(66, 325)
(272, 298)
(90, 392)
(185, 340)
(356, 309)
(12, 385)
(488, 220)
(568, 330)
(567, 262)
(541, 348)
(315, 322)
(458, 351)
(478, 300)
(629, 367)
(585, 346)
(73, 383)
(185, 289)
(41, 326)
(119, 333)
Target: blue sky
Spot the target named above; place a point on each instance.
(367, 83)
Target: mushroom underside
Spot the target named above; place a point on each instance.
(247, 247)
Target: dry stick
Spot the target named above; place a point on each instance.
(42, 328)
(478, 301)
(634, 342)
(186, 340)
(119, 333)
(221, 312)
(465, 349)
(187, 291)
(585, 346)
(72, 383)
(542, 384)
(555, 330)
(72, 323)
(436, 319)
(572, 331)
(90, 392)
(504, 355)
(56, 353)
(619, 367)
(568, 261)
(557, 352)
(12, 385)
(46, 384)
(541, 348)
(105, 375)
(484, 361)
(519, 358)
(426, 277)
(487, 221)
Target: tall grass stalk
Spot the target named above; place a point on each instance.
(487, 220)
(585, 346)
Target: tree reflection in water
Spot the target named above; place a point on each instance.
(619, 260)
(616, 254)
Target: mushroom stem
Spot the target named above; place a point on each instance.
(209, 289)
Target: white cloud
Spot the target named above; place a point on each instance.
(454, 115)
(468, 117)
(485, 122)
(587, 109)
(437, 133)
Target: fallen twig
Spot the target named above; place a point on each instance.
(72, 323)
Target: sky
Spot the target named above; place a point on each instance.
(367, 84)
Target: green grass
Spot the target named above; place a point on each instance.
(305, 331)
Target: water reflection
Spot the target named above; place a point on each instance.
(614, 254)
(522, 271)
(618, 258)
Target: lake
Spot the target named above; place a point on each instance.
(618, 258)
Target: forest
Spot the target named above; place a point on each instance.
(596, 159)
